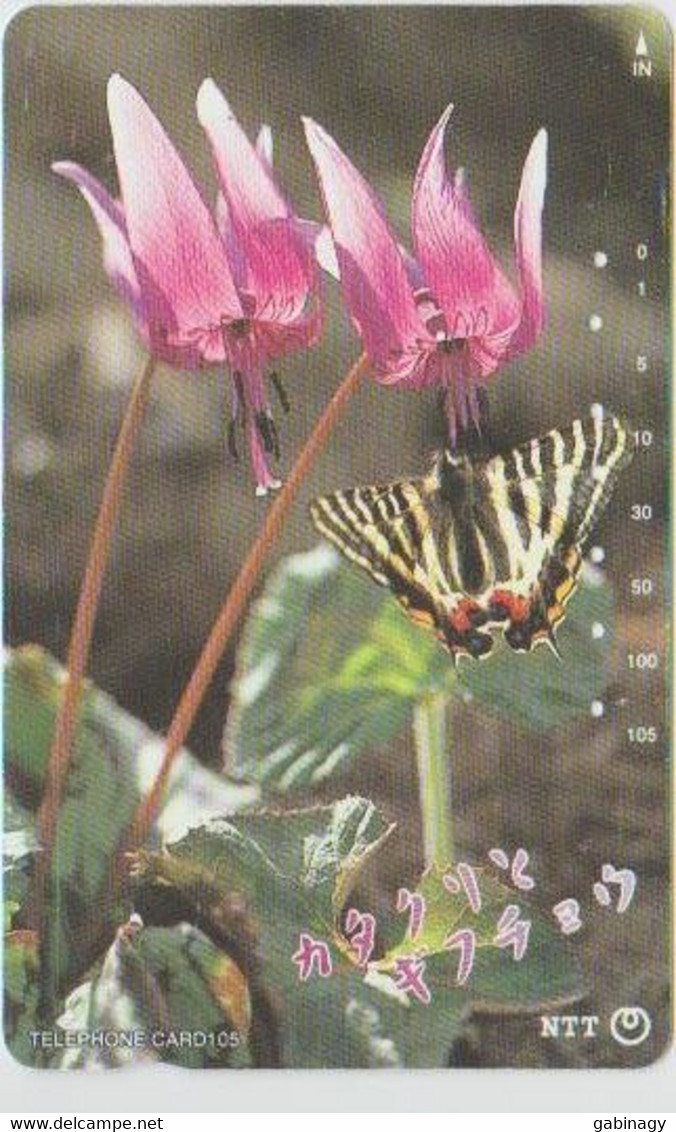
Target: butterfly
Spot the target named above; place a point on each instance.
(478, 545)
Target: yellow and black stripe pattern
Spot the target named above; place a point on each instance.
(478, 544)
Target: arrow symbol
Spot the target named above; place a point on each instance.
(641, 46)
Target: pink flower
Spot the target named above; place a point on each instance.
(239, 287)
(446, 316)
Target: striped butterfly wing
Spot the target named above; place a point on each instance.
(548, 495)
(387, 530)
(476, 545)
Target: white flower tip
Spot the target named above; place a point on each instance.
(447, 112)
(264, 144)
(325, 251)
(538, 149)
(534, 176)
(207, 84)
(440, 128)
(212, 103)
(313, 131)
(118, 86)
(322, 146)
(261, 491)
(123, 98)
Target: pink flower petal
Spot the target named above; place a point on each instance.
(456, 261)
(246, 180)
(118, 261)
(282, 272)
(375, 284)
(273, 263)
(319, 239)
(276, 338)
(264, 149)
(117, 258)
(265, 146)
(180, 260)
(265, 481)
(488, 351)
(413, 369)
(528, 244)
(233, 250)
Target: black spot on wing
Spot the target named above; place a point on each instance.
(471, 564)
(547, 488)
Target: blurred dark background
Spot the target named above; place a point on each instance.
(377, 78)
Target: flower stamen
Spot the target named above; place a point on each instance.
(232, 440)
(267, 431)
(238, 328)
(240, 407)
(451, 345)
(279, 389)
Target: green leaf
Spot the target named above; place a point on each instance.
(9, 909)
(21, 987)
(297, 873)
(106, 735)
(547, 973)
(20, 947)
(342, 1020)
(312, 857)
(162, 994)
(18, 848)
(537, 689)
(115, 760)
(328, 668)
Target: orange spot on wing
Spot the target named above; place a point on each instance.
(462, 619)
(420, 617)
(459, 618)
(517, 607)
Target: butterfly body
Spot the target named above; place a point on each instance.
(480, 545)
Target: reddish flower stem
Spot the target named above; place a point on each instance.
(235, 602)
(85, 614)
